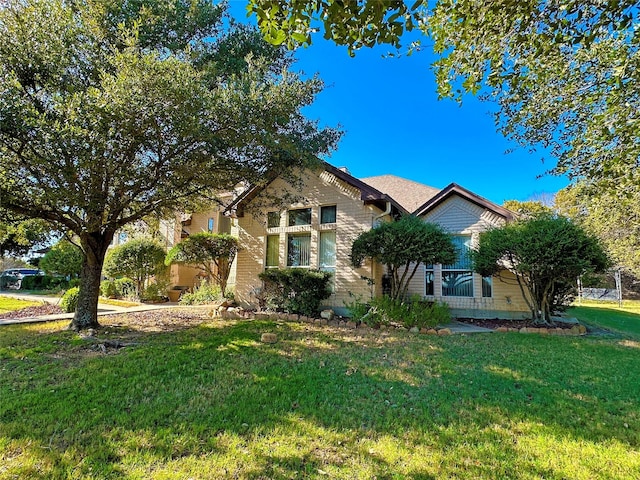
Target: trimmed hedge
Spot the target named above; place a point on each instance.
(295, 290)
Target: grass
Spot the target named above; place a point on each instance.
(624, 320)
(8, 304)
(118, 303)
(205, 399)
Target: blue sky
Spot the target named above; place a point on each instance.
(395, 124)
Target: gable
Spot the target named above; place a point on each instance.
(459, 215)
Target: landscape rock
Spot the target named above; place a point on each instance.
(414, 329)
(321, 321)
(268, 338)
(432, 331)
(444, 331)
(352, 325)
(327, 314)
(502, 329)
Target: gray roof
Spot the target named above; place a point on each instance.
(407, 193)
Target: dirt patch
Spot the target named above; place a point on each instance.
(494, 323)
(37, 311)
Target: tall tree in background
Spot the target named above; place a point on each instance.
(111, 110)
(566, 74)
(612, 216)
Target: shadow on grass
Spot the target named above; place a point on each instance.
(319, 400)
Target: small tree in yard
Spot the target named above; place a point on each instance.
(64, 258)
(213, 253)
(546, 253)
(402, 246)
(139, 259)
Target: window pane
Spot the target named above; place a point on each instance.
(301, 216)
(328, 214)
(487, 287)
(430, 277)
(299, 250)
(327, 249)
(210, 225)
(457, 284)
(273, 219)
(273, 243)
(463, 246)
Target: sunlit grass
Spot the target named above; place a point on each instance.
(8, 304)
(117, 302)
(609, 315)
(211, 401)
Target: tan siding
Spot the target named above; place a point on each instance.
(353, 217)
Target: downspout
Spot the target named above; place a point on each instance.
(386, 212)
(375, 219)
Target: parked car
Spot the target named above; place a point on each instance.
(12, 278)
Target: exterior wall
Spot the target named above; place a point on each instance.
(352, 218)
(459, 216)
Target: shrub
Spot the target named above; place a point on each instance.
(125, 287)
(108, 288)
(69, 300)
(154, 292)
(413, 313)
(205, 293)
(296, 290)
(32, 282)
(43, 282)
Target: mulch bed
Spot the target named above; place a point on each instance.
(495, 323)
(38, 310)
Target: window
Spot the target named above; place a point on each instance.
(457, 278)
(328, 214)
(487, 287)
(301, 216)
(327, 250)
(429, 280)
(273, 219)
(299, 250)
(210, 225)
(273, 251)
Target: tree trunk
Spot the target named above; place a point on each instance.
(94, 247)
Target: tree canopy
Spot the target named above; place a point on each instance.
(565, 74)
(112, 110)
(612, 216)
(64, 258)
(546, 253)
(402, 246)
(213, 253)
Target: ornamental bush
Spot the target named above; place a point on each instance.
(69, 300)
(296, 290)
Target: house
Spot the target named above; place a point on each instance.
(316, 225)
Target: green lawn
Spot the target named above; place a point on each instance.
(8, 304)
(211, 401)
(609, 315)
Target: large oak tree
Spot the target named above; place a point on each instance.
(111, 110)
